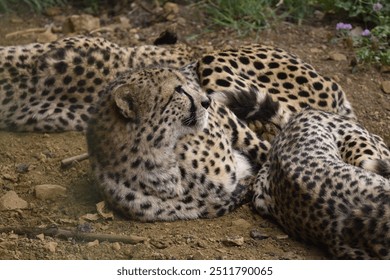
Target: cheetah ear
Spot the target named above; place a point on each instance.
(125, 102)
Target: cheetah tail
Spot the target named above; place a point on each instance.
(378, 166)
(253, 105)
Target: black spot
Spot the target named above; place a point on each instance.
(146, 205)
(318, 86)
(207, 59)
(233, 63)
(243, 60)
(281, 76)
(67, 80)
(258, 65)
(273, 65)
(207, 72)
(264, 79)
(78, 70)
(301, 80)
(61, 67)
(130, 197)
(288, 85)
(223, 83)
(50, 81)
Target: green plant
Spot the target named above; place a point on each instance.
(243, 16)
(40, 5)
(36, 5)
(371, 46)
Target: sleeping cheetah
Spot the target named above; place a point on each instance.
(55, 87)
(291, 83)
(162, 150)
(319, 185)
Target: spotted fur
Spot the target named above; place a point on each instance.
(161, 150)
(54, 86)
(326, 181)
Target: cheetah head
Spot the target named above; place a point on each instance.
(161, 97)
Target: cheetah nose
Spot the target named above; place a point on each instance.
(205, 103)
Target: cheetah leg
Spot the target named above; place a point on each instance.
(261, 189)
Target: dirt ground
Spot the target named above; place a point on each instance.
(31, 159)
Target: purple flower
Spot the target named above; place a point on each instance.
(377, 7)
(366, 33)
(343, 26)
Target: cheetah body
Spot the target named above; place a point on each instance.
(55, 86)
(321, 184)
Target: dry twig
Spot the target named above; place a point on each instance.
(54, 231)
(69, 161)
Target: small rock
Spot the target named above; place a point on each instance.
(11, 201)
(49, 191)
(93, 243)
(282, 237)
(51, 246)
(81, 23)
(337, 56)
(100, 207)
(315, 50)
(13, 236)
(116, 246)
(241, 223)
(255, 234)
(40, 236)
(91, 217)
(201, 244)
(46, 37)
(9, 177)
(171, 8)
(386, 87)
(160, 244)
(22, 168)
(233, 241)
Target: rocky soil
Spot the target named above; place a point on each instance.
(38, 196)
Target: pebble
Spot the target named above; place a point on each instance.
(80, 23)
(282, 237)
(255, 234)
(51, 246)
(233, 241)
(385, 85)
(241, 223)
(337, 56)
(116, 246)
(93, 243)
(11, 201)
(41, 236)
(22, 168)
(49, 191)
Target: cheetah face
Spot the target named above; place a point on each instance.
(162, 96)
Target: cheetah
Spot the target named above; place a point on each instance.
(327, 181)
(161, 150)
(54, 86)
(292, 83)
